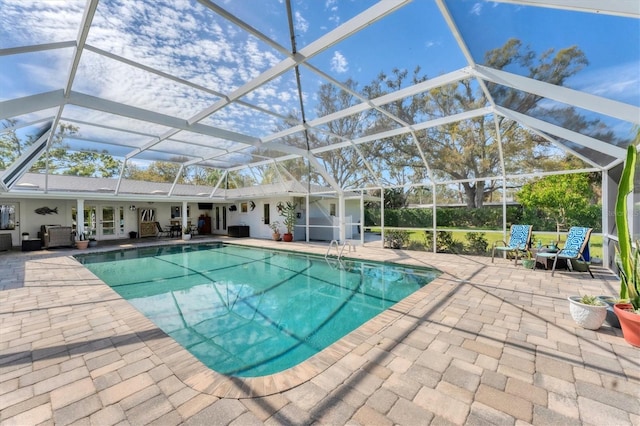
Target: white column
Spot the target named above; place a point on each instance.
(341, 208)
(79, 217)
(184, 216)
(306, 217)
(362, 217)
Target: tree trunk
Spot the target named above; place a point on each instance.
(470, 194)
(479, 194)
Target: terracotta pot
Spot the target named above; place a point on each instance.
(275, 236)
(590, 317)
(83, 244)
(287, 237)
(629, 322)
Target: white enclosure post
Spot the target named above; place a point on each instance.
(79, 217)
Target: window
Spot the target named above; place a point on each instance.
(244, 207)
(332, 209)
(176, 212)
(7, 216)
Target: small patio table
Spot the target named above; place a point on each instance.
(562, 263)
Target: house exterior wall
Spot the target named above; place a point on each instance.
(255, 218)
(57, 211)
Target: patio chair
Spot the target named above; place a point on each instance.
(576, 248)
(519, 242)
(162, 232)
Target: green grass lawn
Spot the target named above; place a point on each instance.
(595, 242)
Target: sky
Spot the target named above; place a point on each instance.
(184, 39)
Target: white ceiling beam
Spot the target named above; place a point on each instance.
(245, 26)
(565, 148)
(562, 94)
(626, 8)
(128, 111)
(22, 164)
(106, 127)
(444, 10)
(462, 44)
(561, 132)
(424, 86)
(263, 78)
(432, 83)
(177, 79)
(400, 131)
(83, 33)
(37, 48)
(29, 104)
(25, 124)
(350, 27)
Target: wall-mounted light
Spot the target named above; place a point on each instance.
(132, 207)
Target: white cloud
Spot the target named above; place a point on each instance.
(476, 9)
(301, 24)
(339, 63)
(332, 6)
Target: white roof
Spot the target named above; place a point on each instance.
(237, 86)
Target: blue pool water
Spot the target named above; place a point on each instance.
(249, 312)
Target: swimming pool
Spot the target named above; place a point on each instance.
(250, 312)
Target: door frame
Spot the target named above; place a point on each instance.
(98, 208)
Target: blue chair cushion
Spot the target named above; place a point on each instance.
(519, 237)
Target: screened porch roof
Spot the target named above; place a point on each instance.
(236, 86)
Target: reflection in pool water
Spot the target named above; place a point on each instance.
(250, 312)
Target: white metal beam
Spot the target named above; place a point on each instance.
(37, 48)
(19, 167)
(123, 110)
(25, 124)
(420, 126)
(178, 79)
(561, 132)
(83, 33)
(432, 83)
(29, 104)
(352, 26)
(562, 94)
(627, 8)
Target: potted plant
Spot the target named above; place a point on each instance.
(92, 242)
(527, 261)
(288, 211)
(82, 243)
(587, 311)
(186, 233)
(629, 258)
(275, 225)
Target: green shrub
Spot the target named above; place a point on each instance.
(476, 243)
(397, 239)
(445, 243)
(417, 246)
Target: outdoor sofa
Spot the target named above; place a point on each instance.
(57, 236)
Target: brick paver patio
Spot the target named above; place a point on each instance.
(483, 344)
